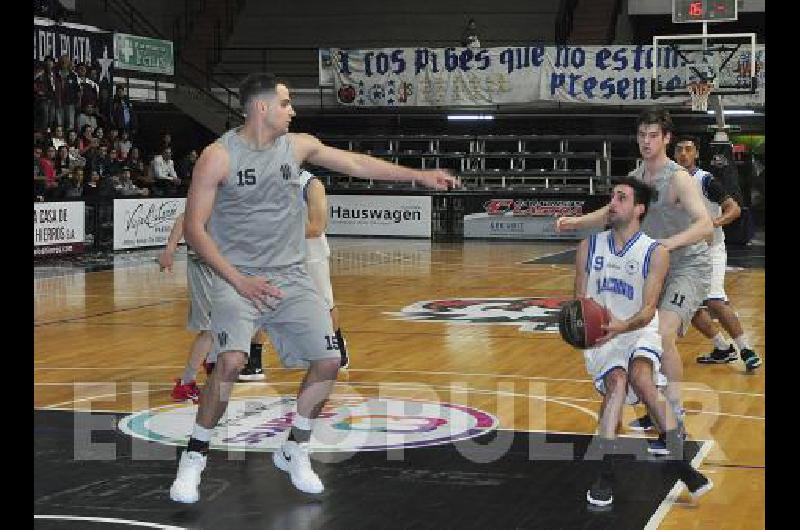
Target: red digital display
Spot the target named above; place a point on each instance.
(696, 9)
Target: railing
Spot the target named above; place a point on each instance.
(185, 71)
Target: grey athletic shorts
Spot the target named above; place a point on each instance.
(299, 326)
(686, 285)
(198, 276)
(320, 273)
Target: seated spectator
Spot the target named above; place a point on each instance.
(63, 162)
(39, 180)
(75, 157)
(71, 186)
(101, 162)
(125, 186)
(47, 160)
(185, 170)
(124, 142)
(85, 141)
(166, 142)
(119, 161)
(57, 138)
(91, 189)
(138, 170)
(72, 139)
(112, 140)
(165, 178)
(99, 133)
(87, 117)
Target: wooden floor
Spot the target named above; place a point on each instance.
(122, 330)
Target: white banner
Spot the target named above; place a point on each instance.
(374, 215)
(613, 75)
(144, 222)
(58, 227)
(523, 219)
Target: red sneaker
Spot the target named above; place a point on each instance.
(189, 391)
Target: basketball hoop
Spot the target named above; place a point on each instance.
(699, 92)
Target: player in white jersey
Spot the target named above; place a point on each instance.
(723, 209)
(244, 217)
(318, 252)
(679, 220)
(198, 279)
(623, 269)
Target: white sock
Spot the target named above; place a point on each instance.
(302, 423)
(188, 376)
(742, 342)
(720, 343)
(202, 434)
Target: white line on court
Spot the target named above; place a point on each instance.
(672, 496)
(128, 522)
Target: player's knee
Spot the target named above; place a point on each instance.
(326, 368)
(715, 305)
(641, 371)
(616, 381)
(229, 364)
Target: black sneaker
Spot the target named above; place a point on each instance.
(718, 356)
(750, 358)
(251, 373)
(600, 493)
(697, 483)
(658, 446)
(641, 424)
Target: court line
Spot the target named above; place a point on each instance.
(103, 313)
(128, 522)
(672, 496)
(373, 370)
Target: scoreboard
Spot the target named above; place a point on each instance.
(704, 11)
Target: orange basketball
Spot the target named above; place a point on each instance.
(580, 322)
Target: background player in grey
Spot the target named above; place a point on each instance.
(678, 219)
(245, 218)
(198, 279)
(625, 362)
(723, 209)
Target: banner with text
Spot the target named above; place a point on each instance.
(58, 228)
(81, 44)
(144, 222)
(374, 215)
(615, 75)
(522, 219)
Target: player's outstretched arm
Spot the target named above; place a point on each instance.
(595, 219)
(308, 148)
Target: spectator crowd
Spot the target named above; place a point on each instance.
(84, 140)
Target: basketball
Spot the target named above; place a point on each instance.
(580, 322)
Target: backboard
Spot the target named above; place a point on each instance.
(729, 61)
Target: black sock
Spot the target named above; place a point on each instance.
(197, 446)
(255, 355)
(299, 435)
(607, 449)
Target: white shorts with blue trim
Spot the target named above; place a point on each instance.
(719, 262)
(619, 352)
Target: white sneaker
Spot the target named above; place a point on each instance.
(292, 457)
(185, 487)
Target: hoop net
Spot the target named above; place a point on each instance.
(699, 92)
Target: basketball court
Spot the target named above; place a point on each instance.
(460, 393)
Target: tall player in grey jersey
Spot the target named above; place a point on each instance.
(678, 219)
(246, 188)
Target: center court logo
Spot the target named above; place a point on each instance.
(530, 314)
(349, 423)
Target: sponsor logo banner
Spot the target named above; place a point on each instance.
(530, 314)
(58, 227)
(347, 423)
(523, 219)
(83, 44)
(144, 222)
(374, 215)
